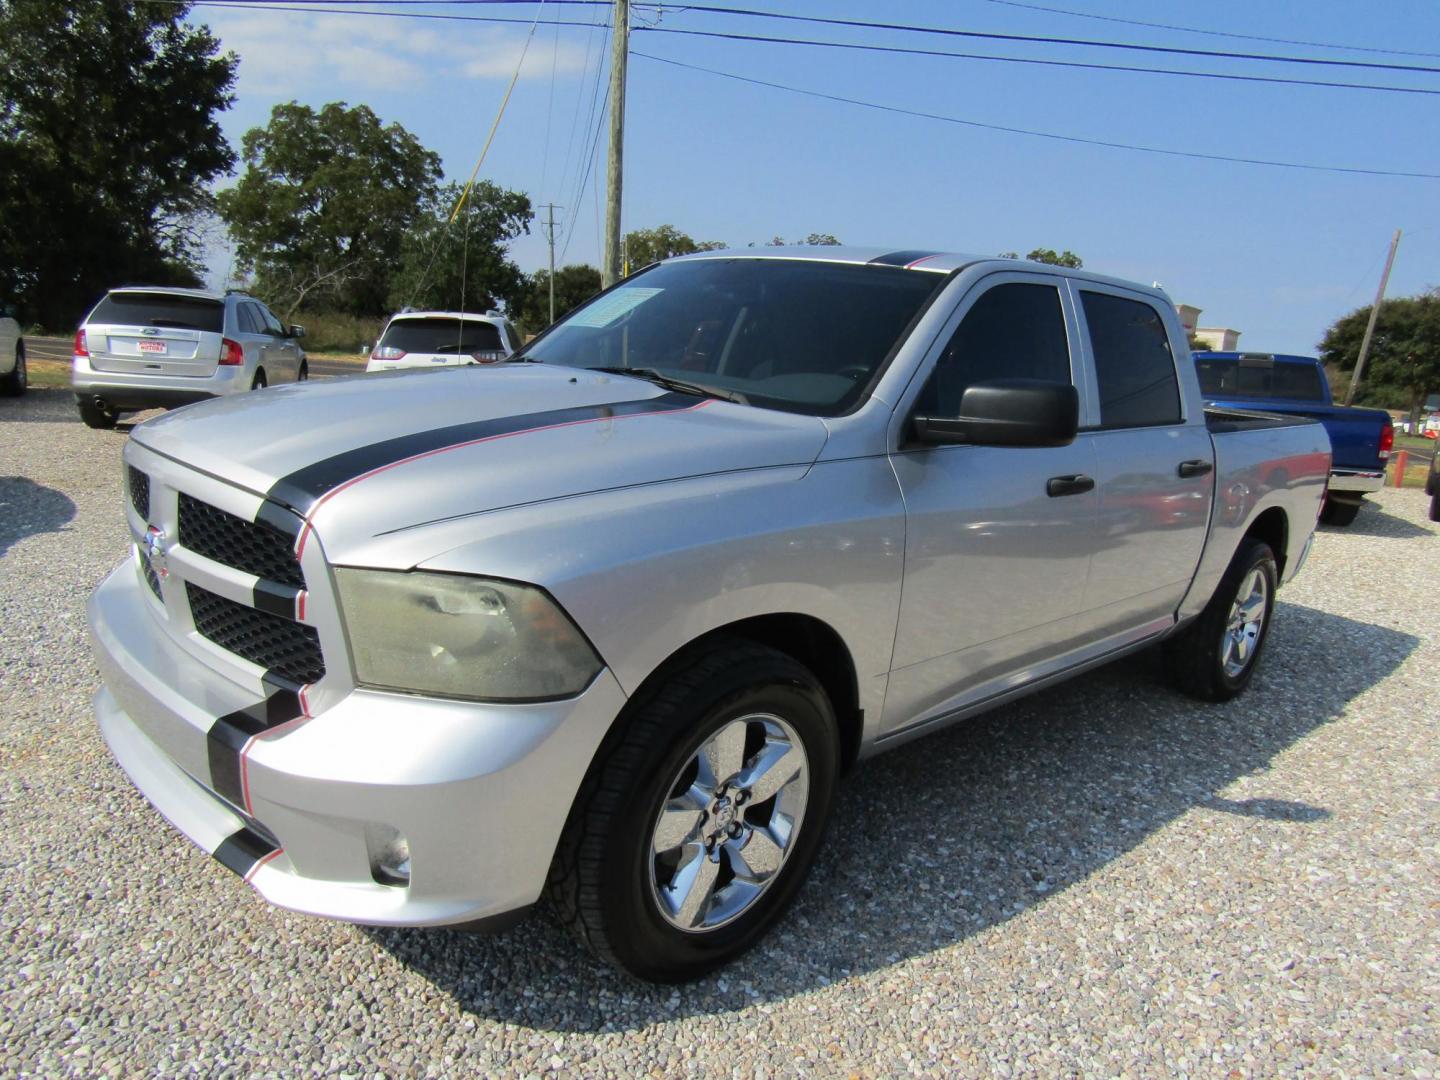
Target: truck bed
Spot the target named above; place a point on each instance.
(1220, 420)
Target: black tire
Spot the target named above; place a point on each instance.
(96, 417)
(1339, 513)
(601, 882)
(1435, 507)
(303, 375)
(17, 380)
(1196, 657)
(260, 381)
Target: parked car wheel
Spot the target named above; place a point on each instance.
(1435, 507)
(260, 382)
(17, 380)
(1339, 513)
(700, 819)
(303, 374)
(96, 417)
(1214, 657)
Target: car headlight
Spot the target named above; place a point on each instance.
(463, 637)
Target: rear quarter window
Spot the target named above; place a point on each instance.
(160, 309)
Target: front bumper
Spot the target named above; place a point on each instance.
(1353, 480)
(480, 792)
(129, 390)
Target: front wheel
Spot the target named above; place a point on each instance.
(15, 383)
(303, 375)
(1435, 506)
(699, 822)
(1214, 657)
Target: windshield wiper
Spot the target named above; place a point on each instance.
(671, 383)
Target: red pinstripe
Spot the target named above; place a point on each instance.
(261, 862)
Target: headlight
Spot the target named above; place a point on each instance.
(461, 637)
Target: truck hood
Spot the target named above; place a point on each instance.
(370, 454)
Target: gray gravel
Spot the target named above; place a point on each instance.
(1105, 879)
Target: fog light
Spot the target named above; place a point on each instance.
(389, 855)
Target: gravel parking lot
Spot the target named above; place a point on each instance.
(1103, 879)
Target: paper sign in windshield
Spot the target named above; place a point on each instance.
(609, 308)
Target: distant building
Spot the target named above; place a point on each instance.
(1218, 338)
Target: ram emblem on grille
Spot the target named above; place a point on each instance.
(157, 547)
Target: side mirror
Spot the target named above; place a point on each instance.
(296, 330)
(1007, 412)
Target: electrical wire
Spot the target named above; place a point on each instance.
(1036, 39)
(1160, 26)
(1027, 60)
(1105, 143)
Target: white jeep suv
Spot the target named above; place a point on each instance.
(12, 355)
(442, 339)
(145, 347)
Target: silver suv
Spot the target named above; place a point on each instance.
(144, 347)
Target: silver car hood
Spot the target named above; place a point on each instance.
(370, 454)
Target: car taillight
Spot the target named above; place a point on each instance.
(232, 353)
(81, 349)
(387, 352)
(487, 356)
(1387, 440)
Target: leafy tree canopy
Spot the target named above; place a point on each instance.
(1403, 366)
(814, 239)
(573, 286)
(321, 214)
(445, 266)
(108, 138)
(1050, 257)
(645, 246)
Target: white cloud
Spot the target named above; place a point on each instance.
(286, 54)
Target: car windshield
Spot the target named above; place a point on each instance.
(799, 335)
(1260, 379)
(160, 309)
(442, 335)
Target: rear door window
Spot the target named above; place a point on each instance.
(160, 309)
(1014, 331)
(1133, 363)
(442, 336)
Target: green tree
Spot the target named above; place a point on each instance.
(108, 138)
(813, 240)
(327, 199)
(645, 246)
(1050, 257)
(1403, 365)
(444, 266)
(573, 286)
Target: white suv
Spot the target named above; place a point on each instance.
(442, 339)
(12, 355)
(144, 347)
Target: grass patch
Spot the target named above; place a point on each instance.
(47, 374)
(329, 332)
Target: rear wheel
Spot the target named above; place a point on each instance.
(1214, 657)
(15, 383)
(1435, 507)
(699, 822)
(1339, 513)
(97, 417)
(259, 383)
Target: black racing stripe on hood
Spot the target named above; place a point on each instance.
(304, 488)
(902, 258)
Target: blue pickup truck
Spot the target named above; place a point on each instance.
(1360, 439)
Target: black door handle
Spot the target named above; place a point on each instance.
(1198, 467)
(1068, 485)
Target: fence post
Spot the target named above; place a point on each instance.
(1401, 460)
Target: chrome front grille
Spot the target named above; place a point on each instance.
(283, 647)
(251, 546)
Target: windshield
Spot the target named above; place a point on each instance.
(160, 309)
(441, 336)
(787, 334)
(1260, 379)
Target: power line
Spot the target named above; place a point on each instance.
(1108, 144)
(1186, 29)
(1027, 60)
(1087, 42)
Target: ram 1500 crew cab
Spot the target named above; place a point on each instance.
(609, 621)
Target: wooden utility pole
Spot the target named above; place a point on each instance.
(550, 235)
(619, 54)
(1370, 326)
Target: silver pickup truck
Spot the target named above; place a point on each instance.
(609, 621)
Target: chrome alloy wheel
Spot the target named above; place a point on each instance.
(729, 822)
(1247, 620)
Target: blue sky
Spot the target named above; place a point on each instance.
(1276, 253)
